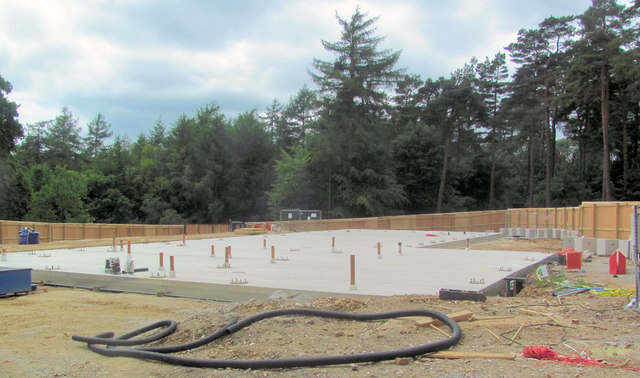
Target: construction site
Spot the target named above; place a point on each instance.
(521, 291)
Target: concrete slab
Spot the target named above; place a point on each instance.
(584, 244)
(304, 262)
(624, 246)
(568, 242)
(606, 247)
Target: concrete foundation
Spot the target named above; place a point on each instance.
(531, 233)
(541, 233)
(584, 244)
(557, 233)
(606, 247)
(306, 265)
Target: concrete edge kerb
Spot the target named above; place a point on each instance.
(199, 290)
(462, 243)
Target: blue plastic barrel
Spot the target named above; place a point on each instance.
(23, 236)
(33, 238)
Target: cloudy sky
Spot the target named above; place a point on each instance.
(137, 61)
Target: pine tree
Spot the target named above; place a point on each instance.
(63, 142)
(99, 130)
(300, 113)
(492, 75)
(603, 30)
(352, 152)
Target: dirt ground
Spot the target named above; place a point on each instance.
(36, 330)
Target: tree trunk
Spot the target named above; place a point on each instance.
(531, 166)
(548, 161)
(625, 157)
(443, 173)
(550, 141)
(492, 178)
(553, 143)
(604, 93)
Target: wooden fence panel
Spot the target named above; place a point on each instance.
(610, 220)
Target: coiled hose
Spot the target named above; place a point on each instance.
(160, 353)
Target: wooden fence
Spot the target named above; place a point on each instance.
(467, 221)
(610, 220)
(604, 220)
(51, 232)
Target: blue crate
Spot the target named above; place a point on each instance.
(13, 281)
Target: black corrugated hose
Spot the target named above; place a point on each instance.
(160, 353)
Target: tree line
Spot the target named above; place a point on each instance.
(369, 140)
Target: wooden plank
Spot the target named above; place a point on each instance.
(423, 321)
(470, 355)
(426, 321)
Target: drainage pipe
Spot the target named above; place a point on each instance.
(158, 353)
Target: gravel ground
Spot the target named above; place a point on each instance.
(36, 332)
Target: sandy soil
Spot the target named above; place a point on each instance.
(36, 329)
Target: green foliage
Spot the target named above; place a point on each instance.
(99, 130)
(418, 156)
(16, 198)
(291, 187)
(106, 203)
(300, 114)
(10, 128)
(250, 168)
(61, 199)
(62, 141)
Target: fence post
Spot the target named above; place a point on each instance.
(617, 234)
